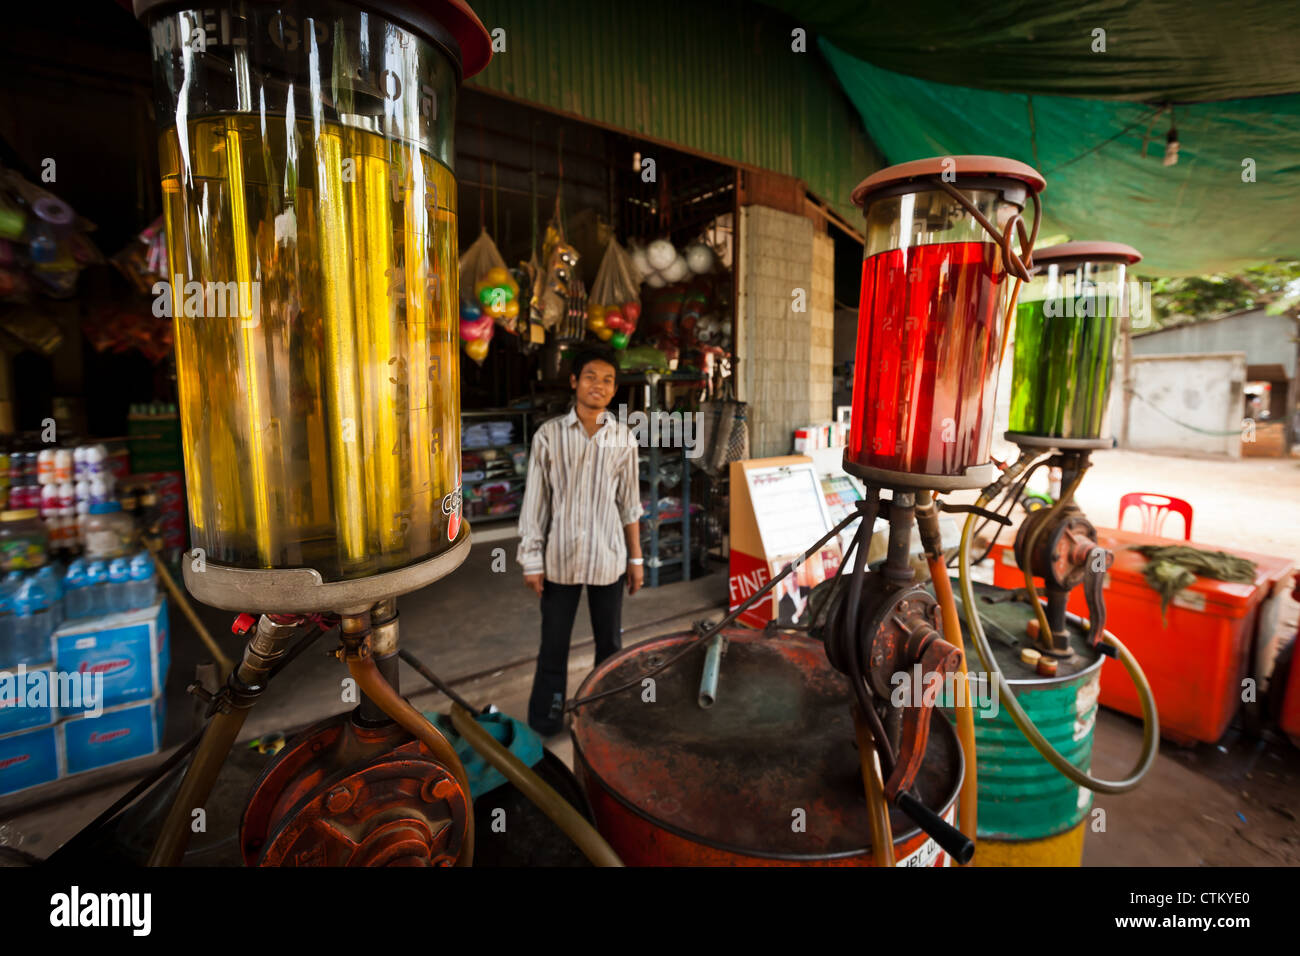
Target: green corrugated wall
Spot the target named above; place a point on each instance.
(715, 77)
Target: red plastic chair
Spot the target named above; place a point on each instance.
(1154, 509)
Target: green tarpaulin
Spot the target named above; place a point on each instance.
(1196, 217)
(1018, 79)
(1155, 50)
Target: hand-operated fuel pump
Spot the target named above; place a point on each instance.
(1046, 663)
(939, 281)
(306, 151)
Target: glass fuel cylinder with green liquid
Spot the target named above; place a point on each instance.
(1066, 334)
(310, 209)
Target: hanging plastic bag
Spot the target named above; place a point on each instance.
(614, 305)
(486, 282)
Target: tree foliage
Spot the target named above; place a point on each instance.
(1274, 287)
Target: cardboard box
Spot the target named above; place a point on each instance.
(26, 698)
(130, 649)
(28, 758)
(119, 733)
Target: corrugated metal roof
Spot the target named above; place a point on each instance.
(717, 78)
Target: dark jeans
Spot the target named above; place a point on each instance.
(559, 608)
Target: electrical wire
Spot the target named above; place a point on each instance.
(1006, 503)
(437, 681)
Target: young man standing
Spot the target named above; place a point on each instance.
(578, 526)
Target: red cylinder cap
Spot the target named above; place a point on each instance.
(467, 29)
(990, 166)
(1087, 250)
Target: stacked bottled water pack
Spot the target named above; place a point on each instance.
(34, 603)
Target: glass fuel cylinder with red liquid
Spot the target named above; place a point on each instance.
(932, 317)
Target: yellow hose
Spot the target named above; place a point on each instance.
(561, 812)
(1150, 720)
(882, 836)
(969, 799)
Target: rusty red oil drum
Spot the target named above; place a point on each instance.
(768, 776)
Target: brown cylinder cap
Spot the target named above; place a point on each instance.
(1087, 250)
(984, 166)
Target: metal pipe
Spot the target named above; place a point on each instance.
(1044, 626)
(561, 812)
(383, 651)
(263, 652)
(717, 626)
(898, 566)
(709, 679)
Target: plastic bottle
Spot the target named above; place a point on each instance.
(77, 595)
(49, 499)
(63, 465)
(97, 585)
(32, 622)
(23, 540)
(8, 648)
(79, 465)
(141, 591)
(100, 490)
(45, 466)
(96, 462)
(119, 579)
(51, 578)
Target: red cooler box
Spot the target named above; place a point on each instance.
(1195, 658)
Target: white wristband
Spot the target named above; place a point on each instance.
(636, 560)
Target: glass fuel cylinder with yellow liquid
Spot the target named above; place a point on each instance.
(310, 210)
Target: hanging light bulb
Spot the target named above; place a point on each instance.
(1171, 147)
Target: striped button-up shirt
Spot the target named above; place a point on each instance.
(580, 493)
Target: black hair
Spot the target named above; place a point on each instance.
(587, 354)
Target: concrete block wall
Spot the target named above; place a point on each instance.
(821, 366)
(786, 356)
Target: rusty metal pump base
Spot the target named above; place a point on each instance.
(343, 794)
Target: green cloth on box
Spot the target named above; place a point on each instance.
(1172, 567)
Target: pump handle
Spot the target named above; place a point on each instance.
(957, 845)
(1098, 563)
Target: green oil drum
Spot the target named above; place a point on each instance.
(1021, 796)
